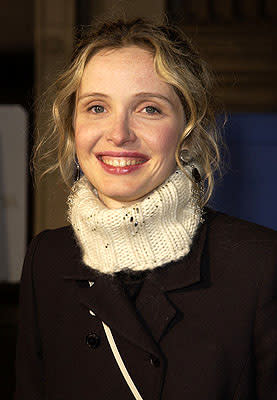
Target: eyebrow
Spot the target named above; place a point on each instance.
(138, 95)
(93, 94)
(156, 95)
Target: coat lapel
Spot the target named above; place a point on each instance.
(191, 272)
(108, 301)
(154, 314)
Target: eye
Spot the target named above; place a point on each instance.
(151, 110)
(97, 109)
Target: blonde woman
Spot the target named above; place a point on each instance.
(147, 294)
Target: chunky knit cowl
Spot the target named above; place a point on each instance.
(148, 234)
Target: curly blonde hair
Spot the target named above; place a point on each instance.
(175, 61)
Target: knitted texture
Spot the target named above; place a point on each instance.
(153, 232)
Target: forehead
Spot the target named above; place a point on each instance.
(131, 68)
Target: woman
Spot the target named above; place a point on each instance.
(146, 294)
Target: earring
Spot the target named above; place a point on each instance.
(197, 189)
(78, 169)
(185, 157)
(186, 160)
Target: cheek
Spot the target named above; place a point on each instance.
(84, 138)
(166, 139)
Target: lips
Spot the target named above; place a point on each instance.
(121, 162)
(126, 154)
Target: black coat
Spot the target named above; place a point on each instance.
(205, 326)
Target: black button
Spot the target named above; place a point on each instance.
(93, 340)
(154, 361)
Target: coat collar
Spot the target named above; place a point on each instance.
(154, 309)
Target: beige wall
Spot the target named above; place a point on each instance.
(54, 22)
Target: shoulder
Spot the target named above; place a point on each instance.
(242, 252)
(241, 247)
(51, 250)
(59, 239)
(224, 227)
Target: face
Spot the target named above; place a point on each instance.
(127, 125)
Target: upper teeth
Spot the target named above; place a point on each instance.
(121, 162)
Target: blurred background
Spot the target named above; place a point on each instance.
(238, 40)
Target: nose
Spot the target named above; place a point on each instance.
(120, 131)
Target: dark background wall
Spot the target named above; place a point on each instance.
(16, 87)
(247, 188)
(16, 51)
(238, 39)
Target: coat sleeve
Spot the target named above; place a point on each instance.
(29, 355)
(265, 337)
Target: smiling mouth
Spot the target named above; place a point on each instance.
(121, 161)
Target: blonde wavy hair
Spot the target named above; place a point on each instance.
(175, 61)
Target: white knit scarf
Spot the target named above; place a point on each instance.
(153, 232)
